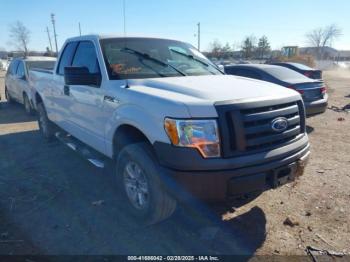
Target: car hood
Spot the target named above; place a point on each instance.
(200, 93)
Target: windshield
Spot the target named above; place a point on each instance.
(40, 64)
(284, 74)
(135, 58)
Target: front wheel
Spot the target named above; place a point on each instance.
(27, 105)
(46, 127)
(138, 174)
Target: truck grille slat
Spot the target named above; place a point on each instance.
(247, 128)
(271, 138)
(270, 114)
(267, 127)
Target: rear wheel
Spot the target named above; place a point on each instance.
(138, 174)
(27, 105)
(46, 127)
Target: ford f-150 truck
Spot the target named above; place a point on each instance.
(171, 121)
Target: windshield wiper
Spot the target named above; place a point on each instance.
(148, 57)
(190, 57)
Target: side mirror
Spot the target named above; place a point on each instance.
(76, 75)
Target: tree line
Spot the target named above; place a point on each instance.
(250, 48)
(253, 48)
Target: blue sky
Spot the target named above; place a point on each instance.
(283, 22)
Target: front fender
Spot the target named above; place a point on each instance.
(149, 124)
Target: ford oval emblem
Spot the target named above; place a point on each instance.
(279, 124)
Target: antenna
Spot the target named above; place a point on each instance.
(124, 17)
(199, 36)
(79, 29)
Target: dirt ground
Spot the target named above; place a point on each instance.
(48, 199)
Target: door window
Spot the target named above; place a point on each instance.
(66, 57)
(20, 70)
(85, 56)
(248, 73)
(13, 67)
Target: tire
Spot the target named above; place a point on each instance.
(7, 96)
(158, 204)
(27, 105)
(46, 127)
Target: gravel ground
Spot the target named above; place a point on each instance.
(48, 199)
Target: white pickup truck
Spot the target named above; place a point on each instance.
(174, 125)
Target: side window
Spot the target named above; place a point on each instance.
(20, 70)
(249, 73)
(13, 67)
(86, 56)
(230, 71)
(66, 57)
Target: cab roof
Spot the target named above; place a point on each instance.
(100, 37)
(36, 58)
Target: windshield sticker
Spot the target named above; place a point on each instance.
(123, 69)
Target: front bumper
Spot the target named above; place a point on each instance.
(235, 182)
(316, 107)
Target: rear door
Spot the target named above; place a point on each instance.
(87, 113)
(59, 102)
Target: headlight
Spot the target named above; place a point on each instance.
(200, 134)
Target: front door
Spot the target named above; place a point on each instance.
(87, 113)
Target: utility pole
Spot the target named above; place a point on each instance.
(79, 29)
(54, 30)
(48, 35)
(199, 36)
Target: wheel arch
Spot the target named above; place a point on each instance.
(37, 98)
(127, 134)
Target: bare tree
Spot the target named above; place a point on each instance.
(20, 36)
(249, 46)
(321, 37)
(216, 48)
(330, 33)
(263, 47)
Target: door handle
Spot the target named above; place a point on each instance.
(111, 99)
(66, 90)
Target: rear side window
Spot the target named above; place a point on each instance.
(20, 70)
(85, 56)
(66, 57)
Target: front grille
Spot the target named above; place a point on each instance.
(257, 126)
(247, 128)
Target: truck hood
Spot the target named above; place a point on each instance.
(200, 93)
(213, 88)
